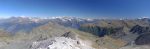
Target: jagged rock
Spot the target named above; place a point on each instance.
(60, 43)
(101, 31)
(70, 35)
(143, 39)
(136, 47)
(140, 29)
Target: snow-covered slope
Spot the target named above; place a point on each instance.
(60, 43)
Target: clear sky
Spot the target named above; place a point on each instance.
(79, 8)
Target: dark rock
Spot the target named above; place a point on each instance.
(139, 29)
(78, 42)
(70, 35)
(143, 39)
(101, 31)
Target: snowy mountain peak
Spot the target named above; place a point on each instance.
(39, 19)
(64, 18)
(26, 19)
(144, 18)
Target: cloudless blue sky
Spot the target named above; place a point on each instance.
(79, 8)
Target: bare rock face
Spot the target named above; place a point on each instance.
(69, 35)
(60, 43)
(143, 39)
(140, 29)
(136, 47)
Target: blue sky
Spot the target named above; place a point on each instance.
(78, 8)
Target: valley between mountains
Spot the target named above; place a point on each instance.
(74, 33)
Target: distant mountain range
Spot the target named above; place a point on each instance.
(16, 24)
(100, 33)
(26, 24)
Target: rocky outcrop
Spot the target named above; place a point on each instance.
(143, 39)
(140, 29)
(60, 43)
(69, 35)
(136, 47)
(101, 31)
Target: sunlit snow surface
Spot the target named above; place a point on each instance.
(60, 43)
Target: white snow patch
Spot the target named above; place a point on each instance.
(61, 43)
